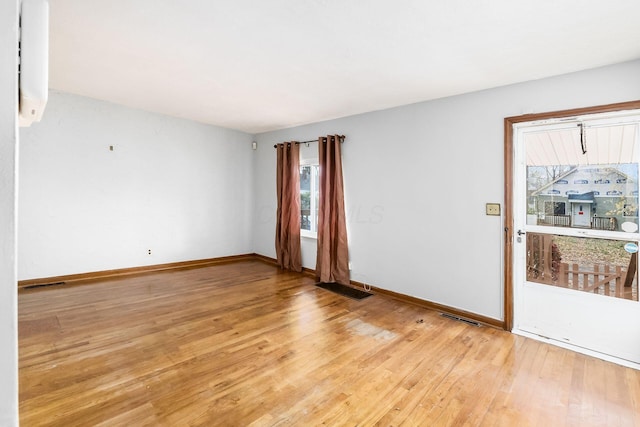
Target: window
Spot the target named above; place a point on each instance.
(554, 208)
(309, 195)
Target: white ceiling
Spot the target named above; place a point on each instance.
(259, 65)
(604, 145)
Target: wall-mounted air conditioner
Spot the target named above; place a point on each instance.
(34, 60)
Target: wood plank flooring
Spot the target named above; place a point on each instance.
(243, 344)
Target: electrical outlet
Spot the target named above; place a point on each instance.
(493, 209)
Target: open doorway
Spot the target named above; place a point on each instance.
(571, 225)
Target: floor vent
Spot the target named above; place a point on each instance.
(459, 319)
(43, 285)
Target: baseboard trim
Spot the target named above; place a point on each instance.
(266, 259)
(106, 274)
(487, 321)
(273, 261)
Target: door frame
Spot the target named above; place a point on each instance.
(508, 186)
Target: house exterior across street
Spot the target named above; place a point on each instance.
(598, 197)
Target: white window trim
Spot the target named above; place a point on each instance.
(306, 233)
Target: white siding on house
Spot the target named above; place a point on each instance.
(583, 180)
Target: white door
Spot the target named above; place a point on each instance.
(575, 275)
(581, 213)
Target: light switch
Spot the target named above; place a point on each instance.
(493, 209)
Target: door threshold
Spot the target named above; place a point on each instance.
(578, 349)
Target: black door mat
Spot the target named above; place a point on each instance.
(346, 291)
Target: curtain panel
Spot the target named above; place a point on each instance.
(288, 251)
(332, 262)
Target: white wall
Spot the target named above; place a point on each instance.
(179, 188)
(417, 179)
(8, 177)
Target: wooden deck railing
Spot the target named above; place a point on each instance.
(544, 265)
(604, 223)
(602, 279)
(305, 218)
(555, 220)
(597, 222)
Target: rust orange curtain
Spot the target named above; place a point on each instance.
(288, 213)
(332, 262)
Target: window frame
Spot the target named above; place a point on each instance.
(313, 233)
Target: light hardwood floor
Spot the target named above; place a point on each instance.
(243, 344)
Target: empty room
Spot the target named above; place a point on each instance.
(319, 212)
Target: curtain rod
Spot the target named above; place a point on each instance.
(313, 140)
